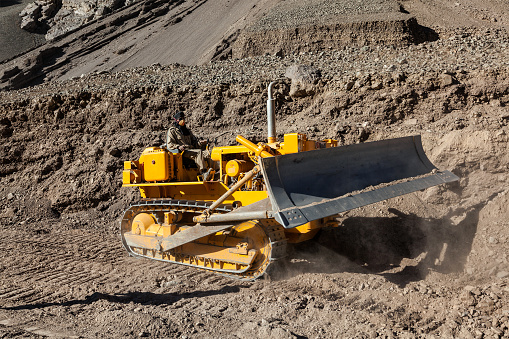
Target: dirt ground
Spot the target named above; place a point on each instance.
(432, 264)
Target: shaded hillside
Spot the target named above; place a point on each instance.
(13, 39)
(142, 34)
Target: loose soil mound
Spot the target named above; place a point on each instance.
(310, 26)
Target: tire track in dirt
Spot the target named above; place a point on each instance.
(37, 267)
(68, 265)
(75, 269)
(9, 328)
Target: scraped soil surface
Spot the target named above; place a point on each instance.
(428, 264)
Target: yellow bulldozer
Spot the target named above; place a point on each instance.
(261, 196)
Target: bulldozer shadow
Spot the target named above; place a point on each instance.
(402, 248)
(137, 297)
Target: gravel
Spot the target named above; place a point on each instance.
(463, 50)
(295, 13)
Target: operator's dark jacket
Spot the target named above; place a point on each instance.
(176, 138)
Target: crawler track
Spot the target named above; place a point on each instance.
(273, 232)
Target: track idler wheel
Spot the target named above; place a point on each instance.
(268, 238)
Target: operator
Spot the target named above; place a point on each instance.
(181, 138)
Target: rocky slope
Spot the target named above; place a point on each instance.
(140, 34)
(152, 31)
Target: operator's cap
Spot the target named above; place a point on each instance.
(179, 116)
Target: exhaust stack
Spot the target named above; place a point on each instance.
(271, 116)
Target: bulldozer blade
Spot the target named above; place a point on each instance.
(316, 184)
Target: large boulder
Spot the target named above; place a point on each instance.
(36, 16)
(48, 8)
(304, 80)
(59, 17)
(30, 17)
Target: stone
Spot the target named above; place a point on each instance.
(495, 103)
(48, 10)
(32, 10)
(10, 196)
(398, 77)
(446, 80)
(476, 291)
(30, 16)
(9, 212)
(28, 24)
(497, 332)
(73, 14)
(502, 274)
(467, 298)
(304, 78)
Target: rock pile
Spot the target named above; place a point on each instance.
(481, 312)
(59, 17)
(38, 14)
